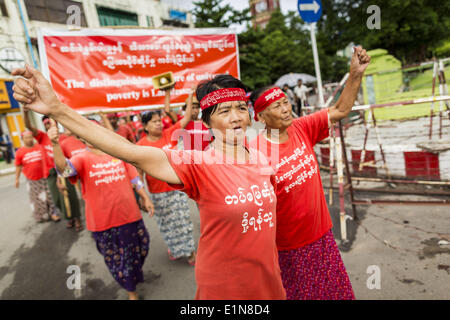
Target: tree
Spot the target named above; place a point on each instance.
(210, 14)
(411, 30)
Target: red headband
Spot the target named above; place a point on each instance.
(26, 131)
(222, 95)
(267, 98)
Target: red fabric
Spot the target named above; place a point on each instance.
(107, 190)
(62, 137)
(166, 142)
(137, 125)
(125, 131)
(32, 161)
(167, 122)
(72, 146)
(222, 95)
(46, 143)
(237, 256)
(302, 211)
(267, 98)
(197, 136)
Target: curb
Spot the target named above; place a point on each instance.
(8, 171)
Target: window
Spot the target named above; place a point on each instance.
(112, 17)
(52, 11)
(150, 21)
(3, 10)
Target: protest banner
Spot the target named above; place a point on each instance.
(102, 69)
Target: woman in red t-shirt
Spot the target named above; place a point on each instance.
(112, 214)
(237, 256)
(172, 208)
(30, 159)
(310, 261)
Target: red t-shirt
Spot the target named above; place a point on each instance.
(197, 136)
(46, 143)
(107, 190)
(302, 211)
(237, 257)
(167, 122)
(71, 146)
(125, 131)
(33, 162)
(166, 142)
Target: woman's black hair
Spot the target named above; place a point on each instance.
(148, 116)
(221, 81)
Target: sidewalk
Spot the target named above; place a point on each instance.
(6, 168)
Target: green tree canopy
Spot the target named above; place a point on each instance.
(212, 14)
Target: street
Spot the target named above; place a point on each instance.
(34, 257)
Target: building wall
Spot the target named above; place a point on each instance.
(12, 33)
(261, 11)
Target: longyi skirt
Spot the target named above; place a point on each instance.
(315, 272)
(124, 249)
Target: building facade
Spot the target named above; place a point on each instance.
(20, 19)
(261, 11)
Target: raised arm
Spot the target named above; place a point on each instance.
(358, 65)
(58, 154)
(28, 124)
(188, 113)
(106, 121)
(36, 93)
(167, 109)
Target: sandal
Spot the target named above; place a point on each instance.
(70, 224)
(55, 218)
(78, 225)
(191, 259)
(171, 257)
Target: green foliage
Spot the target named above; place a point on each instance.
(411, 30)
(211, 14)
(283, 47)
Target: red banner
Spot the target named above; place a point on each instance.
(95, 69)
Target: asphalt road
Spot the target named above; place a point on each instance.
(401, 241)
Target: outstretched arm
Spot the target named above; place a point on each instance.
(36, 93)
(358, 65)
